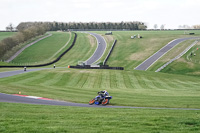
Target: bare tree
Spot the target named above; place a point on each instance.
(196, 26)
(162, 27)
(10, 27)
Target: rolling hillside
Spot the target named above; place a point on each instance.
(42, 51)
(128, 88)
(129, 53)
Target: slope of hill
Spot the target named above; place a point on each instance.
(42, 51)
(129, 53)
(128, 88)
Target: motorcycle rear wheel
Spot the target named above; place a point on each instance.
(105, 102)
(91, 101)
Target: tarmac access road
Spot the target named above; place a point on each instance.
(151, 60)
(99, 51)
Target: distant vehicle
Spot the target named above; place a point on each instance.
(99, 42)
(108, 33)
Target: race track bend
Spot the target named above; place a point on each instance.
(99, 50)
(26, 100)
(28, 45)
(31, 100)
(152, 59)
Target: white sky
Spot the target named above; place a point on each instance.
(172, 13)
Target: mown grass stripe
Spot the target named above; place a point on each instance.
(149, 83)
(90, 80)
(105, 80)
(141, 81)
(98, 80)
(159, 83)
(85, 79)
(38, 79)
(134, 81)
(127, 81)
(120, 80)
(113, 80)
(73, 80)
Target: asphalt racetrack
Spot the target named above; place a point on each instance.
(151, 60)
(18, 99)
(99, 51)
(12, 73)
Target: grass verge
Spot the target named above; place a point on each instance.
(39, 118)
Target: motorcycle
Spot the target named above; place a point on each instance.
(100, 99)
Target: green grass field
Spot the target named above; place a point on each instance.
(129, 53)
(39, 118)
(42, 51)
(4, 35)
(187, 64)
(83, 49)
(171, 54)
(128, 88)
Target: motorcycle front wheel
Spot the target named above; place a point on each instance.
(91, 101)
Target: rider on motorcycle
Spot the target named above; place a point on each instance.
(103, 93)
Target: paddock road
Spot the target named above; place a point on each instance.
(99, 51)
(18, 99)
(151, 60)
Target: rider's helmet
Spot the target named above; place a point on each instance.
(105, 92)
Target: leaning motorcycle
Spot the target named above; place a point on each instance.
(103, 100)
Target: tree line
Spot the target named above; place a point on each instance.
(55, 26)
(29, 30)
(22, 36)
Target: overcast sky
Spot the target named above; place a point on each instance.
(172, 13)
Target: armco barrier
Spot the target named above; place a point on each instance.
(46, 64)
(104, 62)
(100, 67)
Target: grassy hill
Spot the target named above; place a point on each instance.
(128, 88)
(129, 53)
(83, 49)
(43, 50)
(186, 65)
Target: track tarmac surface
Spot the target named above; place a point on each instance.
(12, 73)
(99, 51)
(25, 100)
(151, 60)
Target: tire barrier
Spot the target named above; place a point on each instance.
(100, 67)
(46, 64)
(104, 62)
